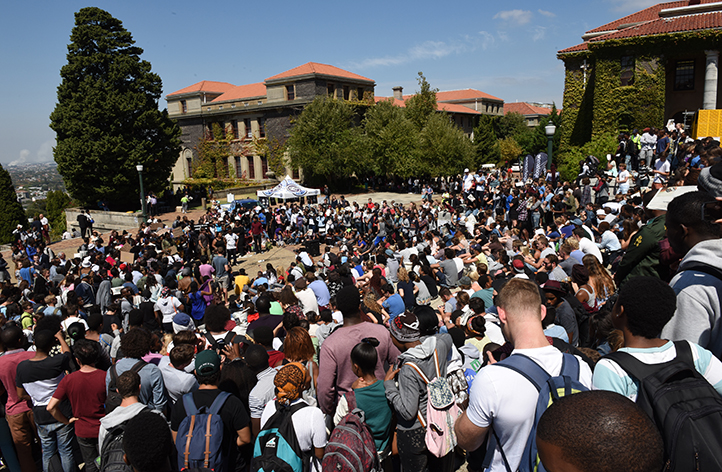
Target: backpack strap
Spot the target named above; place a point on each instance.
(229, 337)
(215, 409)
(217, 404)
(426, 381)
(527, 368)
(189, 436)
(633, 367)
(113, 378)
(138, 366)
(704, 268)
(351, 400)
(211, 340)
(190, 405)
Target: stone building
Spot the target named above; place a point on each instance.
(532, 112)
(657, 64)
(260, 110)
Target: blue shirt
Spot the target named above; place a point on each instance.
(394, 305)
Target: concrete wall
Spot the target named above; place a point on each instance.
(105, 220)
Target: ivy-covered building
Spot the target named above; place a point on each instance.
(657, 64)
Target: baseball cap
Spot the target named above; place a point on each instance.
(207, 363)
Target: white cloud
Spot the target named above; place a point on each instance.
(44, 154)
(432, 50)
(548, 14)
(519, 17)
(538, 32)
(631, 5)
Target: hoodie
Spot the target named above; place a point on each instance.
(407, 394)
(698, 318)
(118, 416)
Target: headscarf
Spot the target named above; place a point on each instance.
(165, 292)
(290, 381)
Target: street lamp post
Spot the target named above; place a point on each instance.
(139, 167)
(550, 129)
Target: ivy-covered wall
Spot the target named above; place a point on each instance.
(578, 104)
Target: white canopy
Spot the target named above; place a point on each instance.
(287, 190)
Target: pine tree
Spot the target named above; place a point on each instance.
(13, 213)
(486, 142)
(107, 119)
(420, 106)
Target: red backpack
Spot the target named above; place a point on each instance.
(351, 447)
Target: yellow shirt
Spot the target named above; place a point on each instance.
(240, 281)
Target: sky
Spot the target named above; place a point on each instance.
(507, 49)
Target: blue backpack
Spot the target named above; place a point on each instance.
(550, 389)
(200, 434)
(276, 447)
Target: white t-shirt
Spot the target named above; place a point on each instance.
(588, 247)
(167, 307)
(231, 239)
(309, 425)
(508, 400)
(663, 166)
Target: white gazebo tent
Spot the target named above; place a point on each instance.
(287, 190)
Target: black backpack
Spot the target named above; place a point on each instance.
(276, 447)
(685, 407)
(112, 401)
(111, 459)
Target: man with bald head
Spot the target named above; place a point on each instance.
(504, 399)
(17, 412)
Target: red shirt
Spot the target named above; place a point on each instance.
(256, 228)
(8, 370)
(86, 392)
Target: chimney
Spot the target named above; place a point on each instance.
(398, 92)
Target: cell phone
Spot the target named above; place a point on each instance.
(712, 211)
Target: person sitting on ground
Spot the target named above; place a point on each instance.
(598, 431)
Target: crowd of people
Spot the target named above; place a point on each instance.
(431, 328)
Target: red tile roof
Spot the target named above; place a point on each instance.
(205, 86)
(578, 48)
(449, 107)
(318, 69)
(647, 14)
(466, 94)
(243, 91)
(674, 24)
(525, 109)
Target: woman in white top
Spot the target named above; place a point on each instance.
(623, 179)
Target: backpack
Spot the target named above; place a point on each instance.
(276, 447)
(441, 412)
(112, 401)
(111, 459)
(218, 345)
(685, 407)
(351, 447)
(550, 390)
(206, 426)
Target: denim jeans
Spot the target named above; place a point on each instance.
(57, 437)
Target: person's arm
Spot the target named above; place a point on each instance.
(53, 409)
(469, 436)
(61, 339)
(244, 436)
(159, 400)
(327, 380)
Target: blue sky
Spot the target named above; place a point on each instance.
(507, 49)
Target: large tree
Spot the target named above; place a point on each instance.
(12, 213)
(444, 148)
(107, 119)
(325, 141)
(486, 142)
(391, 141)
(419, 107)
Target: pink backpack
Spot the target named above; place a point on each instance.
(441, 412)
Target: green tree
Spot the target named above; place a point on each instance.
(13, 213)
(444, 149)
(511, 124)
(486, 143)
(509, 149)
(391, 140)
(422, 105)
(55, 205)
(107, 119)
(325, 141)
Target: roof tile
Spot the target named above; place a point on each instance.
(440, 106)
(465, 94)
(674, 24)
(320, 69)
(243, 91)
(525, 108)
(205, 86)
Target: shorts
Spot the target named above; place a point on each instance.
(223, 281)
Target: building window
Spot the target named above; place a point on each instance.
(330, 90)
(627, 71)
(290, 92)
(189, 164)
(346, 92)
(247, 125)
(264, 167)
(184, 106)
(262, 127)
(360, 93)
(251, 168)
(295, 173)
(684, 75)
(238, 167)
(234, 128)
